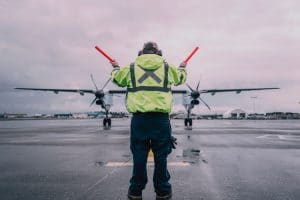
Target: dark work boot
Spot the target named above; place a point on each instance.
(164, 196)
(134, 195)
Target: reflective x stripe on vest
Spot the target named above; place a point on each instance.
(149, 73)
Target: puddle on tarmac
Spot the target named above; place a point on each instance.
(99, 163)
(106, 127)
(191, 153)
(188, 128)
(192, 156)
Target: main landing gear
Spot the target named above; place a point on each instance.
(188, 122)
(107, 122)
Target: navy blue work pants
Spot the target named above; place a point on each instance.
(150, 130)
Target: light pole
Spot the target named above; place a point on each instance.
(254, 98)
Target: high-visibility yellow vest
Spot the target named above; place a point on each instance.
(148, 81)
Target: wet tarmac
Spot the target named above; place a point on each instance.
(216, 160)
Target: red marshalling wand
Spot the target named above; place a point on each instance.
(104, 54)
(191, 55)
(111, 59)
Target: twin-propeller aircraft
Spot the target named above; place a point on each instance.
(103, 98)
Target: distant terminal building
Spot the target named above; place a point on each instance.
(40, 116)
(96, 114)
(12, 115)
(80, 115)
(63, 115)
(275, 115)
(119, 114)
(282, 115)
(256, 116)
(290, 115)
(211, 116)
(182, 115)
(235, 114)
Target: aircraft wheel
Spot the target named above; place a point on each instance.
(190, 122)
(185, 122)
(104, 122)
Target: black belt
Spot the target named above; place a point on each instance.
(153, 114)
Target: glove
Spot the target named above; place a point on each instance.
(115, 64)
(173, 142)
(183, 64)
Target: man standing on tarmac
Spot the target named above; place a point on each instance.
(149, 99)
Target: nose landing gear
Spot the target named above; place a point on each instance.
(188, 122)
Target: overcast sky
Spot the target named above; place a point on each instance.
(242, 44)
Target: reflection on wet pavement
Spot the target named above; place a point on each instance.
(217, 159)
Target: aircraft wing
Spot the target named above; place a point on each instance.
(56, 91)
(125, 91)
(237, 90)
(179, 91)
(117, 91)
(82, 91)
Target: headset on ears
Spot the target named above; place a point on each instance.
(158, 52)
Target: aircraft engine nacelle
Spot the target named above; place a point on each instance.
(99, 102)
(195, 102)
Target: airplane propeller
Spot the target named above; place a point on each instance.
(94, 82)
(106, 83)
(93, 101)
(195, 95)
(99, 94)
(204, 103)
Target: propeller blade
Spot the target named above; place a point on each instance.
(94, 82)
(204, 103)
(189, 87)
(106, 83)
(198, 85)
(93, 101)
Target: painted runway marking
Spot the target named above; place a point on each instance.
(75, 139)
(24, 141)
(265, 136)
(242, 129)
(280, 137)
(119, 137)
(282, 130)
(103, 179)
(129, 164)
